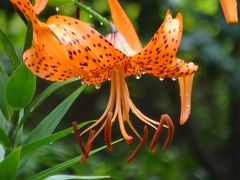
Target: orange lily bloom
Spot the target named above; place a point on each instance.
(230, 10)
(65, 47)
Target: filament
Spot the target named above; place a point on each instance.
(88, 146)
(77, 136)
(107, 131)
(139, 147)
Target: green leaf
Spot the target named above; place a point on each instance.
(48, 125)
(6, 109)
(9, 166)
(41, 98)
(4, 138)
(60, 167)
(21, 87)
(28, 148)
(67, 177)
(4, 125)
(9, 50)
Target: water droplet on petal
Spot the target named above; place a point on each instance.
(143, 72)
(90, 16)
(77, 77)
(98, 86)
(174, 78)
(57, 8)
(138, 76)
(161, 78)
(109, 79)
(82, 83)
(101, 23)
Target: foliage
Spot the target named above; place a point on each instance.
(34, 128)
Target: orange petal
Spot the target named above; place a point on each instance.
(40, 5)
(26, 8)
(120, 43)
(158, 58)
(48, 59)
(87, 50)
(123, 24)
(185, 84)
(230, 10)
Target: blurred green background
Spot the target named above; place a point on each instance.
(206, 147)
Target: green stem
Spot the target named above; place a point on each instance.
(96, 15)
(13, 131)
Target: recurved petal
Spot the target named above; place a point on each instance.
(48, 58)
(124, 25)
(230, 10)
(86, 48)
(26, 9)
(39, 6)
(185, 84)
(159, 56)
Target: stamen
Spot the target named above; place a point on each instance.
(164, 118)
(107, 110)
(135, 110)
(108, 130)
(133, 129)
(140, 145)
(118, 109)
(77, 136)
(88, 146)
(129, 139)
(170, 135)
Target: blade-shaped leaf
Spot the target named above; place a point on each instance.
(9, 50)
(60, 167)
(28, 148)
(41, 98)
(6, 109)
(21, 87)
(9, 166)
(4, 125)
(48, 125)
(67, 177)
(4, 138)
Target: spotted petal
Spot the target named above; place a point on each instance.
(48, 59)
(159, 59)
(87, 50)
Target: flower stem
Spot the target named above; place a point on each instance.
(96, 15)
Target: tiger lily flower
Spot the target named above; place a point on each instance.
(230, 10)
(65, 47)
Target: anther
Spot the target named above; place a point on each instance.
(88, 146)
(77, 136)
(164, 119)
(108, 130)
(140, 145)
(170, 135)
